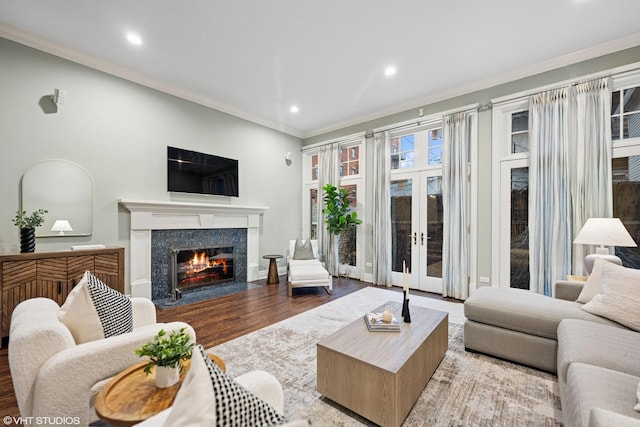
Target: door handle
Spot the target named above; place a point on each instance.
(422, 239)
(414, 236)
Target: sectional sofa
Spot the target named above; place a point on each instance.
(587, 334)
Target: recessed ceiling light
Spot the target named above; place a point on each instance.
(134, 39)
(294, 109)
(390, 71)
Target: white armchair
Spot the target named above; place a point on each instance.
(54, 377)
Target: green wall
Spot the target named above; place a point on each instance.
(118, 131)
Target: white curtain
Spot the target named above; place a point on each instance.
(455, 201)
(328, 173)
(381, 217)
(591, 192)
(569, 176)
(549, 212)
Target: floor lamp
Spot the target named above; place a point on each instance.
(603, 232)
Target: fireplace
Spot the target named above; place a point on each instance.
(158, 226)
(196, 267)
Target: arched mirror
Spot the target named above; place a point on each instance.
(65, 190)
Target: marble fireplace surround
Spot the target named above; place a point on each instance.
(167, 215)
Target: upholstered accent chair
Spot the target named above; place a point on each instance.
(306, 270)
(55, 377)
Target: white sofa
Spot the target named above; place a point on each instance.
(307, 272)
(54, 377)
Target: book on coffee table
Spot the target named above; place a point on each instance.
(375, 323)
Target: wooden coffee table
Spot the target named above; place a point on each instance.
(380, 375)
(131, 397)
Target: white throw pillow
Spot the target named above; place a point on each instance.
(208, 397)
(619, 297)
(592, 285)
(94, 311)
(195, 402)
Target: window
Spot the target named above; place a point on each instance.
(402, 151)
(313, 213)
(417, 150)
(519, 228)
(347, 242)
(511, 160)
(520, 132)
(626, 204)
(435, 146)
(350, 161)
(625, 114)
(314, 167)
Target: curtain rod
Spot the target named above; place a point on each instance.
(612, 74)
(425, 120)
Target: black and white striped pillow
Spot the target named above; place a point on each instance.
(236, 406)
(114, 309)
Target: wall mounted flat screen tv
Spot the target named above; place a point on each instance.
(193, 172)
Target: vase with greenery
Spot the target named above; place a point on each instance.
(27, 225)
(167, 352)
(340, 219)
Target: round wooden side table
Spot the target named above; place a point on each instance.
(131, 396)
(272, 277)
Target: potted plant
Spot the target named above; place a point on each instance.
(340, 219)
(166, 353)
(27, 226)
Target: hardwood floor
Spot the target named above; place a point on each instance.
(225, 318)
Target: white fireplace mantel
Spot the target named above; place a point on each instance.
(167, 215)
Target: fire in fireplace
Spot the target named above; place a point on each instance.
(196, 267)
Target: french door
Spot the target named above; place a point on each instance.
(416, 229)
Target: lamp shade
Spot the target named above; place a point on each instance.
(604, 232)
(61, 225)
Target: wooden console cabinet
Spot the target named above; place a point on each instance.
(53, 275)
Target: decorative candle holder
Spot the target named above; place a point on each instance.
(405, 309)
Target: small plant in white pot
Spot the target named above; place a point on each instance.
(167, 352)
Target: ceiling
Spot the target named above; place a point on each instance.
(257, 58)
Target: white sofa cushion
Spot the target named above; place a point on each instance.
(94, 311)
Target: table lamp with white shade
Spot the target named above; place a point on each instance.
(603, 232)
(61, 225)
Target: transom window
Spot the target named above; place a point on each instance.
(402, 151)
(350, 161)
(420, 149)
(314, 167)
(625, 113)
(435, 146)
(520, 132)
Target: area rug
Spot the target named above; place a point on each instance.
(467, 389)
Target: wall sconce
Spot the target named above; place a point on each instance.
(59, 96)
(61, 225)
(287, 158)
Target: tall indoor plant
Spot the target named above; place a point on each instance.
(27, 225)
(340, 219)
